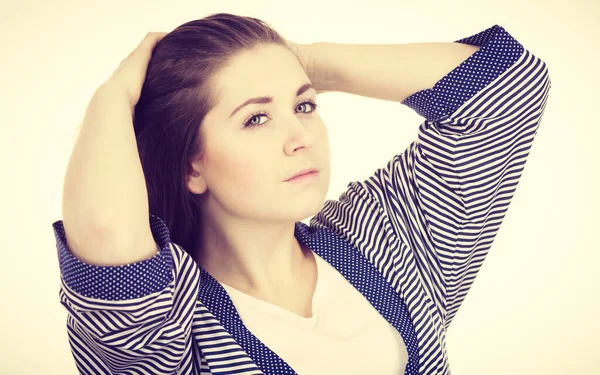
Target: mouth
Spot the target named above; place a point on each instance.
(304, 175)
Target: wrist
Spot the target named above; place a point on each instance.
(113, 94)
(115, 91)
(319, 67)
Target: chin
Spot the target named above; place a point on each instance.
(305, 207)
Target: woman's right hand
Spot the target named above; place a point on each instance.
(131, 73)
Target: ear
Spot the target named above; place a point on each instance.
(194, 180)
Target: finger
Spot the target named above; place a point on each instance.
(152, 38)
(146, 46)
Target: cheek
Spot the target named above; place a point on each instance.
(230, 168)
(240, 182)
(235, 173)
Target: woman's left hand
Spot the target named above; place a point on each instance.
(305, 60)
(315, 73)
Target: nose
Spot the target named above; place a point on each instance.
(299, 135)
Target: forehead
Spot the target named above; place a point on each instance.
(262, 71)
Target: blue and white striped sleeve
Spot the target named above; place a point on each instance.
(133, 319)
(442, 200)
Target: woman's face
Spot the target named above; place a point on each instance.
(244, 167)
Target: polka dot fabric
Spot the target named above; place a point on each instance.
(116, 283)
(499, 50)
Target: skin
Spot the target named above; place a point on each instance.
(249, 212)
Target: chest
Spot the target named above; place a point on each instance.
(220, 326)
(293, 296)
(346, 335)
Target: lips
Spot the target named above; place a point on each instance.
(303, 172)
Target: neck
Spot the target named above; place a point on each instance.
(255, 258)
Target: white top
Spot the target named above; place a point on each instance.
(345, 334)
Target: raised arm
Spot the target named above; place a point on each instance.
(381, 71)
(437, 206)
(125, 286)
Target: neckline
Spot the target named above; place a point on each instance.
(274, 309)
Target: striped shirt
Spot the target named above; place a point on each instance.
(411, 238)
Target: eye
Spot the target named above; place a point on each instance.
(311, 102)
(250, 121)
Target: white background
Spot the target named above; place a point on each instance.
(534, 307)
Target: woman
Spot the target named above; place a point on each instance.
(224, 278)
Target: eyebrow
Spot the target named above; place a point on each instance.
(269, 99)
